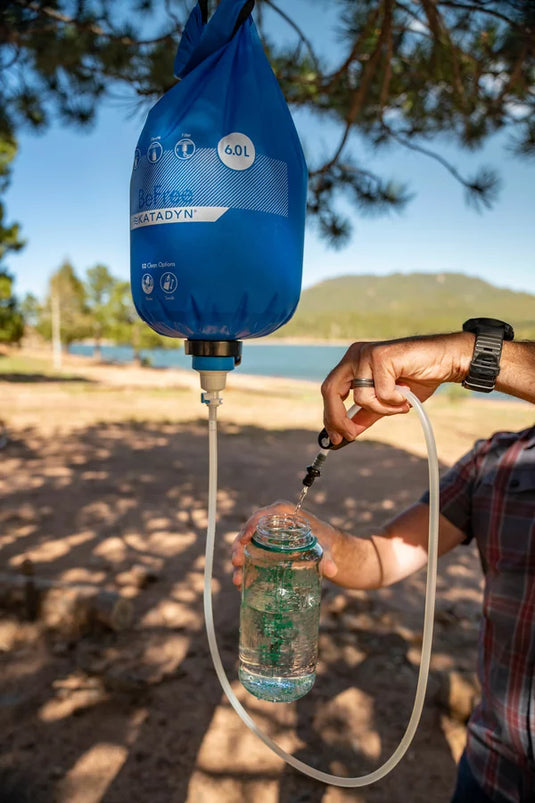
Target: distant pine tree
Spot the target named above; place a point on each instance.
(11, 320)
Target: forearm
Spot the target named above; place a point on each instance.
(517, 372)
(357, 561)
(374, 562)
(390, 554)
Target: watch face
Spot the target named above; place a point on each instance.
(485, 366)
(489, 326)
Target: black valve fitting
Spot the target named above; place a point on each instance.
(311, 475)
(313, 471)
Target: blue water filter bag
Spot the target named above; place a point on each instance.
(218, 191)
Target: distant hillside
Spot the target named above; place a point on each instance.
(375, 307)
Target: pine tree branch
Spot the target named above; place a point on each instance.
(298, 31)
(480, 9)
(353, 55)
(91, 27)
(350, 168)
(426, 152)
(383, 95)
(441, 34)
(468, 185)
(515, 74)
(412, 13)
(360, 94)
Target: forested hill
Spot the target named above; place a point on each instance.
(376, 307)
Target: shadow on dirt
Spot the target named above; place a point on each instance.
(96, 506)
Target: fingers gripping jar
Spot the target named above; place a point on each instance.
(280, 607)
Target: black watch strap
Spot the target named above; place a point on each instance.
(485, 366)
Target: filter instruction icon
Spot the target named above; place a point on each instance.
(154, 152)
(147, 283)
(184, 148)
(168, 282)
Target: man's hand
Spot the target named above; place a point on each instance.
(323, 532)
(419, 363)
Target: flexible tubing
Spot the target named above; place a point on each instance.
(390, 763)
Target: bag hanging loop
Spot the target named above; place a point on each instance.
(202, 37)
(244, 13)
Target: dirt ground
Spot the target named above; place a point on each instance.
(103, 481)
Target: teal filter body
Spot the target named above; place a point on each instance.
(218, 190)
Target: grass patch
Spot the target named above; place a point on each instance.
(13, 364)
(20, 368)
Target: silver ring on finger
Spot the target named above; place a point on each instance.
(359, 382)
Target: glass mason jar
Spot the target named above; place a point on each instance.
(280, 608)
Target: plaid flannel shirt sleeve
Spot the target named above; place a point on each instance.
(457, 488)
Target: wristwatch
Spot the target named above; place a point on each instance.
(485, 366)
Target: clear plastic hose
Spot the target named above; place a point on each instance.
(427, 638)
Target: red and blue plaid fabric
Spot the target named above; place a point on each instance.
(490, 495)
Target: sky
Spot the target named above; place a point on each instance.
(70, 192)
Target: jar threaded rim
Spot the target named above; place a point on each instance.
(283, 532)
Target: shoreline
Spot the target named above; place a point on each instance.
(86, 394)
(269, 340)
(166, 375)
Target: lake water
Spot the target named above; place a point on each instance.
(311, 362)
(283, 360)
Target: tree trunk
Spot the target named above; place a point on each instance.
(56, 331)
